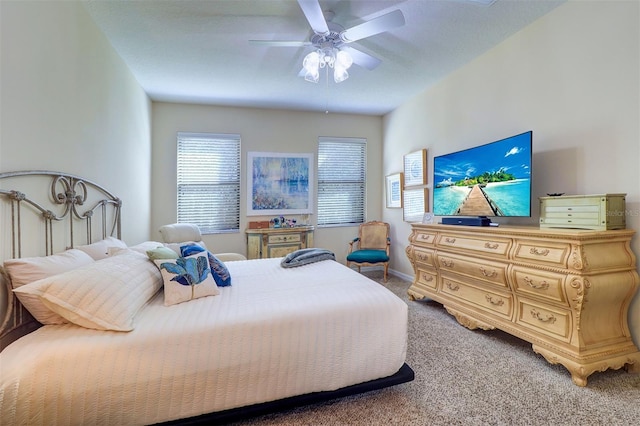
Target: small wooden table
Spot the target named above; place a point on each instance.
(277, 242)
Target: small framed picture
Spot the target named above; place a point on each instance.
(394, 190)
(427, 218)
(415, 204)
(415, 170)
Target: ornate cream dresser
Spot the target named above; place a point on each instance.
(277, 242)
(567, 292)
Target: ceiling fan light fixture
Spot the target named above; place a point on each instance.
(330, 57)
(340, 74)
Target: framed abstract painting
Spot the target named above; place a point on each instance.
(279, 183)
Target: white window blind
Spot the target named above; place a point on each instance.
(209, 181)
(341, 181)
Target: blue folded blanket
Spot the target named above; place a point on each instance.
(305, 256)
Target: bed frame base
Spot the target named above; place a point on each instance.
(404, 375)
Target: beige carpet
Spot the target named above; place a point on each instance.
(466, 377)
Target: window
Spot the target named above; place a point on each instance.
(209, 181)
(341, 181)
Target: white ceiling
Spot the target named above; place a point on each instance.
(198, 51)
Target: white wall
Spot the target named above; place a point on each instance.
(69, 103)
(260, 130)
(573, 77)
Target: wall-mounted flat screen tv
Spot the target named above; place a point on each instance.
(488, 180)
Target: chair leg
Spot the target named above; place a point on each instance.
(386, 268)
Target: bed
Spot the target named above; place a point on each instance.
(273, 339)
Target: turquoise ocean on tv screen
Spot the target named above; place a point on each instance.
(512, 197)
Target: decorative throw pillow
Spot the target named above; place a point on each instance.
(219, 270)
(176, 246)
(162, 253)
(104, 295)
(186, 278)
(29, 269)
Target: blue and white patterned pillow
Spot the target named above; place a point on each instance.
(218, 268)
(186, 278)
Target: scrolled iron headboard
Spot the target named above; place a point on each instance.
(30, 223)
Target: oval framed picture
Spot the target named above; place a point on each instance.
(427, 217)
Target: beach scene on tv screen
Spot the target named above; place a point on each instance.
(488, 180)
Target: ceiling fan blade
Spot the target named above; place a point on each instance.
(363, 59)
(375, 26)
(313, 13)
(281, 43)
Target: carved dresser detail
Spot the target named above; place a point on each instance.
(567, 292)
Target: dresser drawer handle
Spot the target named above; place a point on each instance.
(539, 252)
(450, 240)
(452, 287)
(491, 246)
(423, 237)
(491, 274)
(494, 301)
(427, 277)
(447, 263)
(543, 285)
(543, 318)
(423, 256)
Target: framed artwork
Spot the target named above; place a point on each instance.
(279, 183)
(415, 204)
(394, 190)
(415, 168)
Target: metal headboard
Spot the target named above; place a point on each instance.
(43, 213)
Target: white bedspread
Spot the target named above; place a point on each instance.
(274, 333)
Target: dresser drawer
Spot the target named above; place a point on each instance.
(546, 285)
(423, 256)
(284, 238)
(427, 279)
(546, 320)
(492, 246)
(492, 272)
(542, 252)
(424, 238)
(478, 297)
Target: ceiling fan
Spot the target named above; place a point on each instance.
(330, 42)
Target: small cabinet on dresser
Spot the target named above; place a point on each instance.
(565, 291)
(277, 242)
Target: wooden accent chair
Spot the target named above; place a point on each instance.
(371, 247)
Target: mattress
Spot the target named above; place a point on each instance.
(274, 333)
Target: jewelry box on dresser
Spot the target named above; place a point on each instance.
(567, 292)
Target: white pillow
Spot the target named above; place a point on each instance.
(147, 245)
(177, 232)
(29, 269)
(104, 295)
(187, 278)
(103, 248)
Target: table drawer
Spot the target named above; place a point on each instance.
(546, 285)
(478, 297)
(546, 320)
(492, 272)
(493, 246)
(284, 238)
(282, 250)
